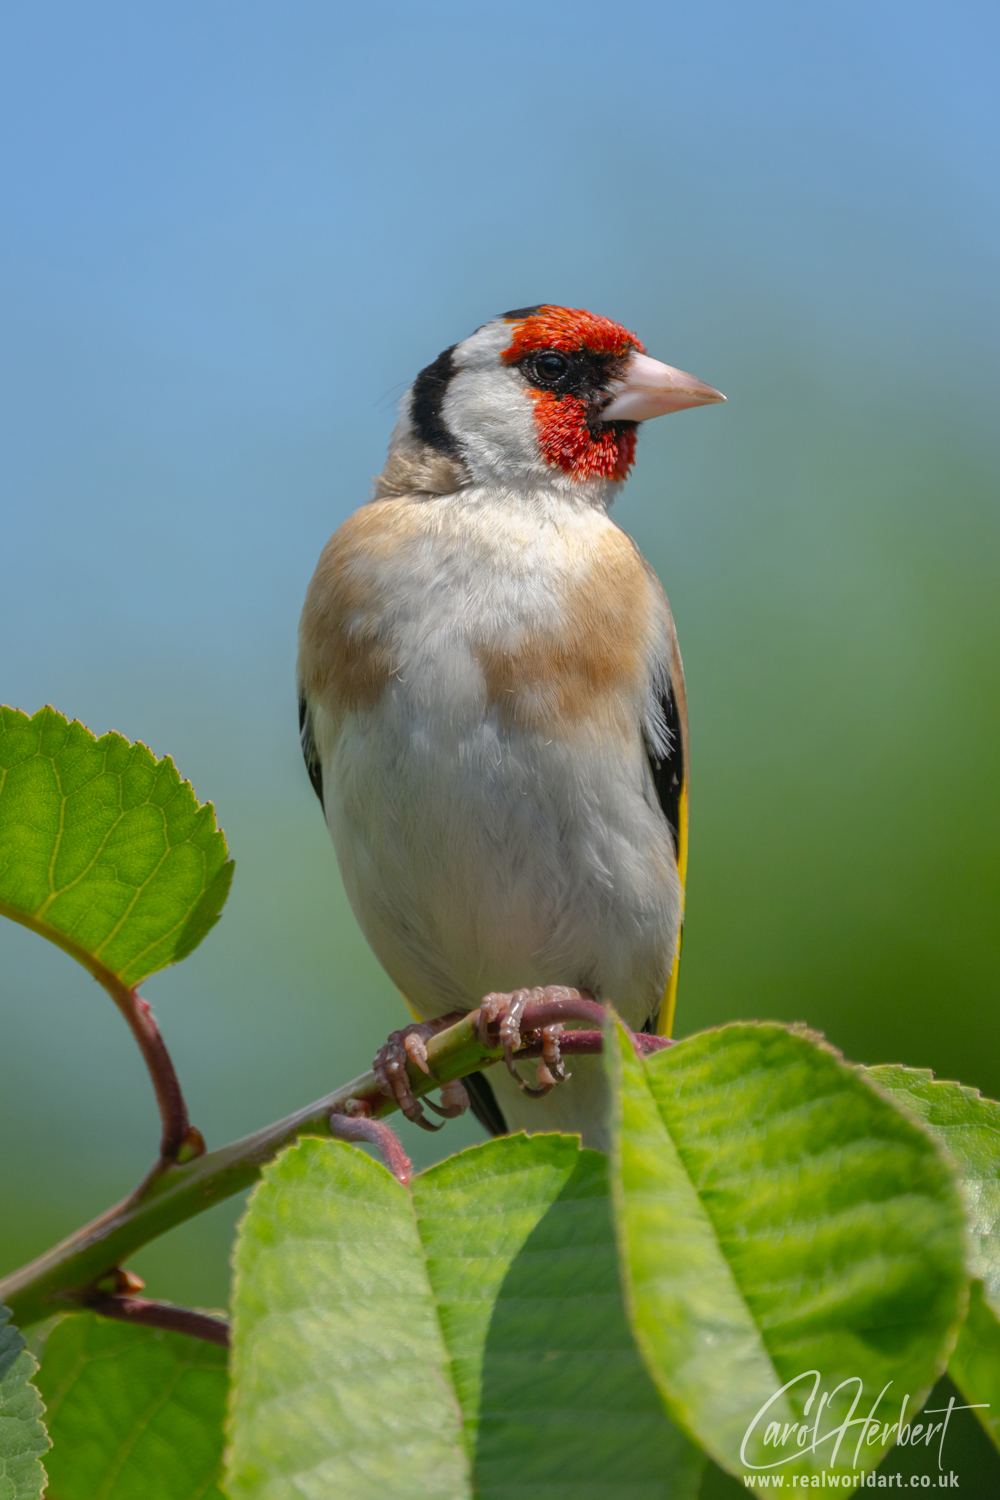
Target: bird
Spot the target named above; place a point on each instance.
(492, 704)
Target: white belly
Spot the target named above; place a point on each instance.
(486, 841)
(479, 859)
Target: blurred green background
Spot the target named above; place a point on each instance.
(232, 233)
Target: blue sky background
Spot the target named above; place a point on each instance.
(229, 237)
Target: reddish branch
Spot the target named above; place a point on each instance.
(377, 1133)
(179, 1140)
(162, 1315)
(588, 1043)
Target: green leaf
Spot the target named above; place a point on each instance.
(968, 1127)
(975, 1362)
(340, 1377)
(466, 1337)
(523, 1266)
(23, 1438)
(104, 849)
(134, 1413)
(778, 1215)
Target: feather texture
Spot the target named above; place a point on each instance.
(492, 703)
(484, 680)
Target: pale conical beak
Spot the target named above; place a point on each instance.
(650, 389)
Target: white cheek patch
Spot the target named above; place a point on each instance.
(490, 412)
(493, 418)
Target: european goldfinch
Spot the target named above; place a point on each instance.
(491, 696)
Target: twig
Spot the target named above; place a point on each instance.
(162, 1315)
(583, 1043)
(179, 1139)
(378, 1134)
(174, 1193)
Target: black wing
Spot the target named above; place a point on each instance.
(483, 1103)
(309, 754)
(667, 764)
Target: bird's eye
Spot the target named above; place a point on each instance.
(551, 367)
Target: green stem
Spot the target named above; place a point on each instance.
(170, 1196)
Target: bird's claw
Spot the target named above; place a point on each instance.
(410, 1043)
(508, 1010)
(416, 1046)
(454, 1100)
(549, 1070)
(552, 1060)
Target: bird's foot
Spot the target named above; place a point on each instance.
(541, 1011)
(410, 1044)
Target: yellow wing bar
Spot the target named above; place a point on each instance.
(669, 1003)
